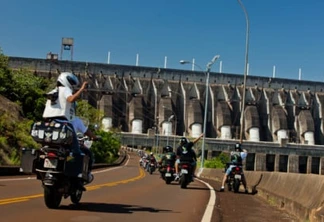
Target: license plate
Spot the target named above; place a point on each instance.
(50, 163)
(237, 176)
(168, 174)
(184, 171)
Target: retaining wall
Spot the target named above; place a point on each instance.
(299, 194)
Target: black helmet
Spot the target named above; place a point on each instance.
(238, 147)
(183, 141)
(168, 149)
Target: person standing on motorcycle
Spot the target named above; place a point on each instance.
(63, 108)
(168, 157)
(185, 152)
(237, 156)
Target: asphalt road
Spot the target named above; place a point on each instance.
(127, 193)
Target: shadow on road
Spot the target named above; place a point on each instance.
(197, 188)
(111, 208)
(238, 193)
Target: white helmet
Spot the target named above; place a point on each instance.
(68, 79)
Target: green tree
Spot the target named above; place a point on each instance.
(217, 162)
(106, 150)
(5, 76)
(88, 112)
(28, 90)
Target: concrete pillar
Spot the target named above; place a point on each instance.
(260, 162)
(277, 163)
(321, 171)
(309, 165)
(293, 164)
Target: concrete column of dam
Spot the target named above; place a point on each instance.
(260, 162)
(277, 163)
(195, 106)
(309, 165)
(293, 164)
(319, 117)
(222, 118)
(305, 119)
(321, 166)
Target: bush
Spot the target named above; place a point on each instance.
(106, 150)
(217, 162)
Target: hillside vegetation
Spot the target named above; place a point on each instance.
(22, 102)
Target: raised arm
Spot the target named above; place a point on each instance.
(198, 138)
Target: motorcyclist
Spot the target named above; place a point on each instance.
(185, 152)
(237, 156)
(144, 160)
(151, 159)
(168, 157)
(61, 106)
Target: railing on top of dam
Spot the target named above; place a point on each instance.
(213, 144)
(262, 156)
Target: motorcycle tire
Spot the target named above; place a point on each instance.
(168, 180)
(52, 197)
(236, 185)
(229, 187)
(183, 182)
(76, 196)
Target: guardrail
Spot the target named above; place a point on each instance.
(15, 170)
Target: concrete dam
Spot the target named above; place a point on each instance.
(172, 102)
(279, 113)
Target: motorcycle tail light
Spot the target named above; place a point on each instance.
(51, 155)
(184, 166)
(237, 169)
(168, 168)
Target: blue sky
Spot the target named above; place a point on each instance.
(286, 33)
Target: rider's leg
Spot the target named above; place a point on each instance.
(75, 144)
(177, 169)
(194, 166)
(177, 166)
(227, 172)
(244, 183)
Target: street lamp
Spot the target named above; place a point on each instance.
(245, 69)
(208, 67)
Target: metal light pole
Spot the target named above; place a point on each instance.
(175, 131)
(245, 69)
(208, 67)
(175, 124)
(169, 121)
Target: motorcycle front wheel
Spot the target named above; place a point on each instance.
(76, 196)
(52, 197)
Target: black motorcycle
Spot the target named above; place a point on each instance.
(62, 172)
(234, 179)
(185, 175)
(151, 167)
(167, 173)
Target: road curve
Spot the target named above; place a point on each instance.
(124, 193)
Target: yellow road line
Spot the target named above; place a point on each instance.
(89, 188)
(14, 201)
